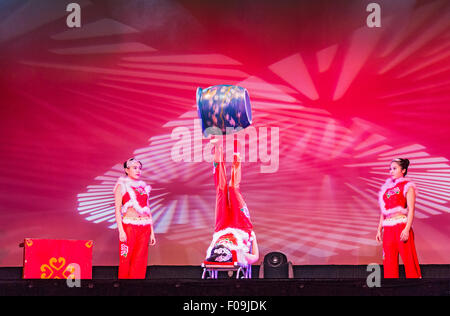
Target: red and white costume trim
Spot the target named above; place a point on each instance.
(137, 221)
(135, 194)
(392, 196)
(233, 239)
(395, 221)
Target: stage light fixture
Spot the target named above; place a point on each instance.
(276, 266)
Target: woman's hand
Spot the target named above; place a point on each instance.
(404, 236)
(152, 239)
(379, 238)
(122, 236)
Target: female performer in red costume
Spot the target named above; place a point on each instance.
(233, 228)
(134, 221)
(397, 201)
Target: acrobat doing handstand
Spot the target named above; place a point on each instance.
(234, 239)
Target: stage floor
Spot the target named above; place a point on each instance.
(185, 281)
(226, 288)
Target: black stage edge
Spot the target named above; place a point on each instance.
(433, 271)
(226, 287)
(185, 281)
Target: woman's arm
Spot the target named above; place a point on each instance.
(118, 206)
(254, 256)
(152, 241)
(379, 238)
(152, 237)
(411, 201)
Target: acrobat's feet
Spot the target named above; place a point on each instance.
(214, 142)
(218, 150)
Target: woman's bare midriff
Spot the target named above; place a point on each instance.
(131, 213)
(395, 216)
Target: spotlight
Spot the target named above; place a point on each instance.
(275, 259)
(276, 266)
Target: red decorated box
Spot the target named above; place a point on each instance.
(57, 259)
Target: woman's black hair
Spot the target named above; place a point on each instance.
(125, 164)
(220, 253)
(403, 163)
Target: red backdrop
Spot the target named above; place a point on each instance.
(344, 98)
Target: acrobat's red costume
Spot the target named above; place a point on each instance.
(392, 200)
(233, 228)
(134, 252)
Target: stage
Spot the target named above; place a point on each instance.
(186, 281)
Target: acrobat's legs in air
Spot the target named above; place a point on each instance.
(241, 215)
(222, 212)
